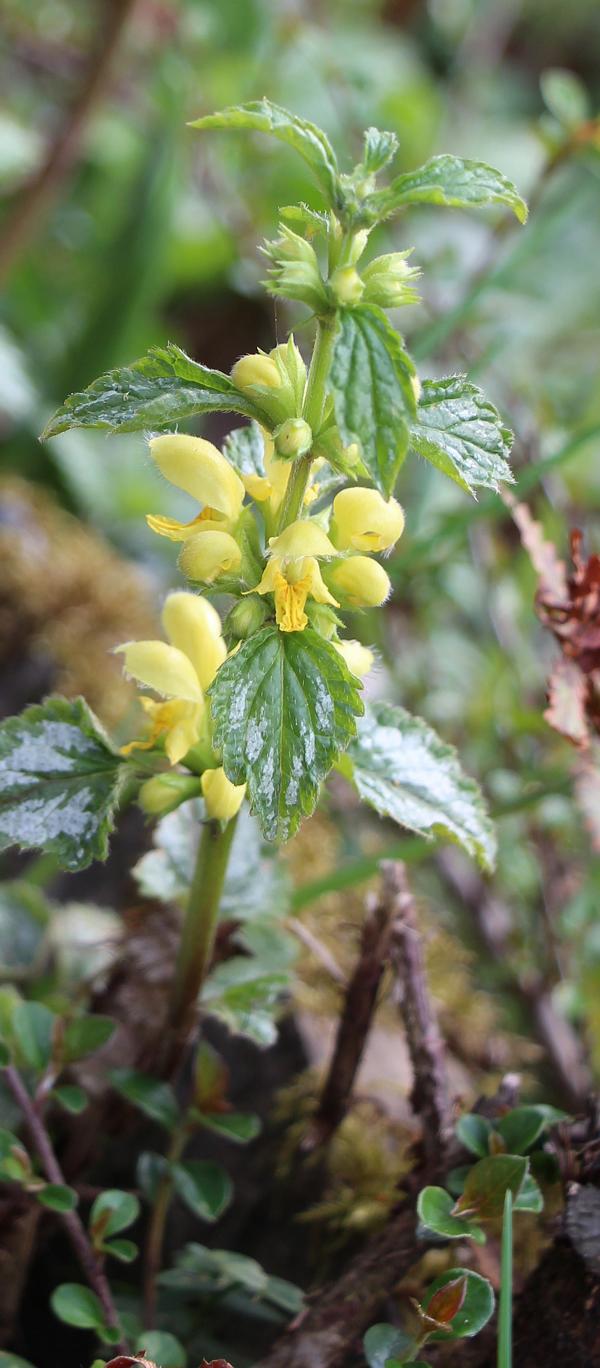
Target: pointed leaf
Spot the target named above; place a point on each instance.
(236, 1126)
(123, 1250)
(374, 399)
(204, 1186)
(475, 1310)
(474, 1131)
(405, 771)
(529, 1197)
(72, 1098)
(77, 1305)
(435, 1209)
(57, 1197)
(379, 148)
(155, 1099)
(461, 433)
(60, 781)
(310, 141)
(283, 708)
(85, 1034)
(156, 391)
(487, 1183)
(449, 181)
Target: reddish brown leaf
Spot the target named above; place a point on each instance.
(567, 697)
(550, 569)
(447, 1301)
(125, 1361)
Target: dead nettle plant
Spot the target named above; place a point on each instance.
(243, 717)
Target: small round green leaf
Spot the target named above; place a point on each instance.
(77, 1305)
(149, 1171)
(155, 1099)
(123, 1250)
(474, 1131)
(235, 1126)
(86, 1034)
(161, 1347)
(383, 1342)
(73, 1099)
(476, 1309)
(57, 1197)
(204, 1187)
(113, 1211)
(32, 1029)
(435, 1211)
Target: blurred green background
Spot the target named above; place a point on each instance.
(145, 230)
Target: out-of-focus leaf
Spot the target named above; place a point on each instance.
(487, 1183)
(383, 1342)
(154, 1098)
(204, 1186)
(565, 96)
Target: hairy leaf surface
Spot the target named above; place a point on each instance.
(461, 433)
(449, 181)
(374, 400)
(311, 143)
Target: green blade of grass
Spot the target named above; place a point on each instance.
(505, 1307)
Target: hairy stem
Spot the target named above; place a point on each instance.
(71, 1220)
(198, 934)
(156, 1229)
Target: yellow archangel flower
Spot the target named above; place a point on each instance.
(269, 489)
(364, 521)
(292, 573)
(180, 670)
(196, 466)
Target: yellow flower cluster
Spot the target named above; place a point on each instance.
(327, 561)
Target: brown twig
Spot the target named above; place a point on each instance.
(72, 1222)
(36, 198)
(360, 1001)
(430, 1098)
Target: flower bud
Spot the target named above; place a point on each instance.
(288, 358)
(388, 281)
(246, 618)
(295, 270)
(208, 555)
(293, 438)
(199, 468)
(255, 370)
(364, 521)
(222, 798)
(358, 658)
(416, 387)
(346, 285)
(359, 582)
(164, 792)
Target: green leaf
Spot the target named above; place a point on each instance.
(311, 143)
(565, 96)
(379, 148)
(448, 181)
(405, 771)
(32, 1031)
(283, 708)
(156, 391)
(157, 1100)
(24, 916)
(57, 1197)
(246, 1001)
(529, 1197)
(13, 1361)
(72, 1098)
(245, 450)
(476, 1309)
(435, 1207)
(520, 1128)
(123, 1250)
(383, 1342)
(112, 1212)
(83, 1035)
(487, 1183)
(160, 1346)
(506, 1279)
(374, 399)
(77, 1305)
(236, 1126)
(4, 1056)
(204, 1186)
(150, 1170)
(461, 433)
(60, 781)
(474, 1132)
(285, 1295)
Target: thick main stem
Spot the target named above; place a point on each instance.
(200, 923)
(73, 1223)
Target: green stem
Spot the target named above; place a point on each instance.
(199, 927)
(156, 1230)
(316, 390)
(505, 1308)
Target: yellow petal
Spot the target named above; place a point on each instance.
(359, 658)
(196, 466)
(360, 582)
(171, 528)
(256, 370)
(364, 521)
(163, 668)
(209, 554)
(184, 734)
(290, 600)
(257, 486)
(269, 579)
(194, 626)
(222, 798)
(318, 587)
(302, 538)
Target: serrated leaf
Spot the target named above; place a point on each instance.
(204, 1186)
(265, 117)
(383, 1342)
(448, 180)
(435, 1209)
(405, 771)
(57, 1197)
(283, 709)
(487, 1183)
(379, 148)
(60, 781)
(77, 1305)
(475, 1310)
(474, 1131)
(374, 400)
(461, 433)
(85, 1034)
(156, 1099)
(156, 391)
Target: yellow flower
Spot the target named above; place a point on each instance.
(358, 658)
(222, 798)
(292, 573)
(256, 369)
(196, 466)
(360, 582)
(181, 670)
(364, 521)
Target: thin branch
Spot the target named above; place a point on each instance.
(72, 1222)
(430, 1099)
(355, 1022)
(38, 195)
